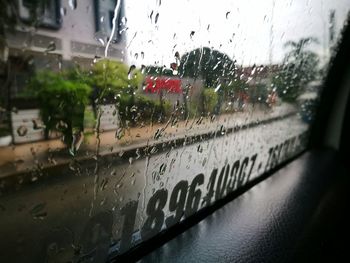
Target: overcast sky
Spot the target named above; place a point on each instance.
(239, 28)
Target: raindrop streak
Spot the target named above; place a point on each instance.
(227, 14)
(22, 130)
(217, 88)
(156, 18)
(115, 16)
(142, 54)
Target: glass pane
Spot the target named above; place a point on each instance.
(119, 119)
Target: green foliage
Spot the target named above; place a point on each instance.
(141, 108)
(210, 100)
(299, 68)
(209, 64)
(62, 102)
(112, 77)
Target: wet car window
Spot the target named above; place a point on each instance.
(119, 119)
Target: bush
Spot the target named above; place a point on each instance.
(111, 77)
(62, 102)
(210, 100)
(141, 108)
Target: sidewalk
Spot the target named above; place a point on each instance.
(14, 159)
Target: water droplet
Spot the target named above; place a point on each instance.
(157, 134)
(131, 160)
(38, 212)
(104, 184)
(101, 41)
(119, 134)
(22, 130)
(222, 130)
(63, 11)
(78, 138)
(73, 4)
(138, 154)
(192, 34)
(199, 121)
(102, 18)
(132, 67)
(136, 56)
(142, 54)
(124, 20)
(162, 168)
(95, 59)
(51, 47)
(154, 150)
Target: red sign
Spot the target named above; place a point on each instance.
(156, 84)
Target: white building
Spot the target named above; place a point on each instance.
(67, 31)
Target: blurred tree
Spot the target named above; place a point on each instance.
(213, 66)
(114, 76)
(209, 64)
(300, 66)
(62, 102)
(115, 82)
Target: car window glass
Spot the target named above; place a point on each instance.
(119, 119)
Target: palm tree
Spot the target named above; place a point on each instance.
(299, 48)
(300, 66)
